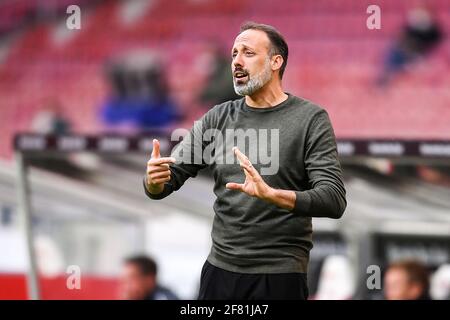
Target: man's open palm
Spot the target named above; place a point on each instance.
(253, 185)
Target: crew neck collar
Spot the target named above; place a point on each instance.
(269, 109)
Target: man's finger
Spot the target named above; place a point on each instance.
(160, 161)
(163, 166)
(245, 163)
(155, 152)
(235, 186)
(161, 180)
(159, 175)
(241, 157)
(249, 170)
(160, 168)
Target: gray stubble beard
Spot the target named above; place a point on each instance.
(254, 83)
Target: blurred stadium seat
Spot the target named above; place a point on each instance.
(333, 59)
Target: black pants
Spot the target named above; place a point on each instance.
(219, 284)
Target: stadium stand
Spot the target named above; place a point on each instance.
(334, 59)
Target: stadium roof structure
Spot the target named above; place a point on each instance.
(116, 143)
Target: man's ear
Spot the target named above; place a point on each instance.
(277, 62)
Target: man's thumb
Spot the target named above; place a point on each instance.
(155, 152)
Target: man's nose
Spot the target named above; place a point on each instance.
(237, 61)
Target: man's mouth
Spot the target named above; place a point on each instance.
(240, 76)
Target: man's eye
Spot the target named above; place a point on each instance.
(249, 53)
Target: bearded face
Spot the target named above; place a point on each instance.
(245, 83)
(251, 66)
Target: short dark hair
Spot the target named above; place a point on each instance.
(278, 44)
(146, 265)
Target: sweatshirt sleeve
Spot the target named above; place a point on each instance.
(189, 159)
(326, 196)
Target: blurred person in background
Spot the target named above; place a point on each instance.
(219, 86)
(139, 280)
(50, 119)
(407, 280)
(140, 96)
(336, 281)
(420, 35)
(440, 283)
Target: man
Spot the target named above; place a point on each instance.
(421, 34)
(406, 280)
(262, 232)
(138, 280)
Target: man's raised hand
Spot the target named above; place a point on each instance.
(158, 171)
(254, 185)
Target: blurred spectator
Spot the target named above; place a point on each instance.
(50, 119)
(140, 95)
(219, 87)
(407, 280)
(420, 35)
(336, 280)
(440, 283)
(139, 280)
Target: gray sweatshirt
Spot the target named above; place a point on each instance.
(293, 147)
